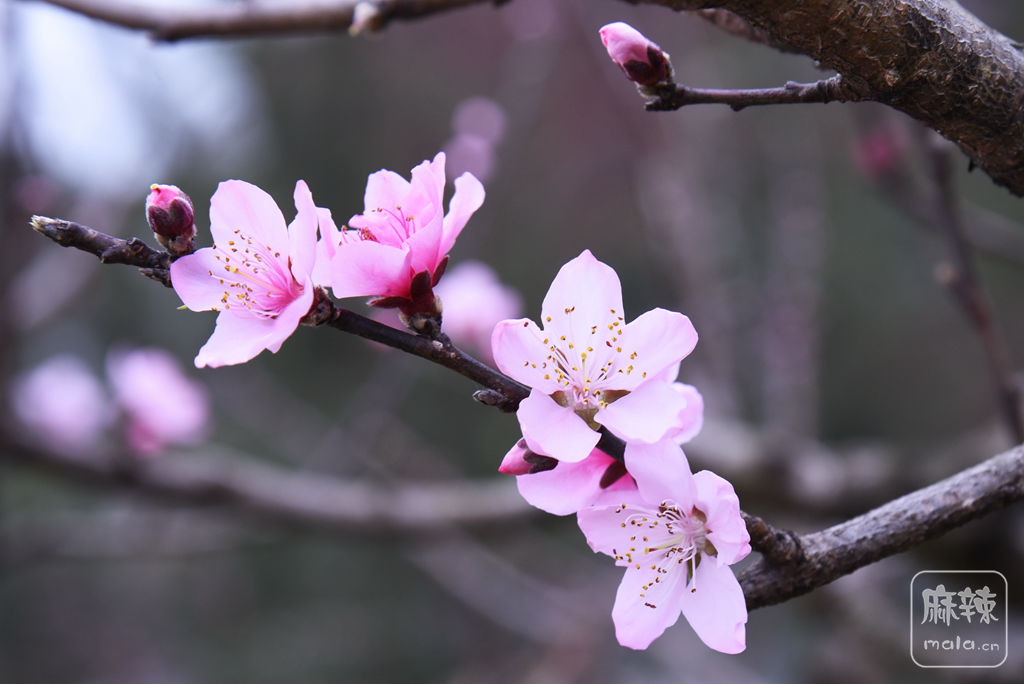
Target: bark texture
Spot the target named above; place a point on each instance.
(931, 59)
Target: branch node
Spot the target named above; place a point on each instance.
(779, 547)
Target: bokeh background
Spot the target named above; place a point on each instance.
(838, 371)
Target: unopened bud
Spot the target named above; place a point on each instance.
(640, 59)
(171, 217)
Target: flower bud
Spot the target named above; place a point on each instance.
(171, 217)
(641, 60)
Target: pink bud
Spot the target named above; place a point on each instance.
(639, 58)
(171, 217)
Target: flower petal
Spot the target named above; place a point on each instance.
(602, 523)
(519, 351)
(662, 473)
(554, 430)
(647, 414)
(691, 419)
(237, 205)
(384, 189)
(237, 339)
(717, 499)
(369, 269)
(326, 247)
(714, 606)
(302, 233)
(468, 197)
(569, 486)
(585, 293)
(647, 603)
(659, 339)
(193, 280)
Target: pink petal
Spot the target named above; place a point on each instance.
(644, 609)
(647, 414)
(602, 523)
(691, 419)
(423, 246)
(468, 197)
(302, 233)
(569, 486)
(584, 293)
(369, 269)
(237, 339)
(326, 247)
(554, 430)
(519, 351)
(660, 338)
(384, 189)
(192, 280)
(716, 497)
(237, 205)
(662, 473)
(515, 462)
(714, 606)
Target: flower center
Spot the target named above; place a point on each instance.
(257, 281)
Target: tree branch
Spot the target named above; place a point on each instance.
(276, 495)
(889, 529)
(826, 90)
(240, 19)
(930, 59)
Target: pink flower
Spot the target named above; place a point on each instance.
(63, 404)
(676, 536)
(397, 249)
(256, 275)
(161, 404)
(474, 300)
(587, 368)
(639, 58)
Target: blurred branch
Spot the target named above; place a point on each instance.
(964, 282)
(897, 526)
(239, 19)
(930, 59)
(831, 89)
(307, 501)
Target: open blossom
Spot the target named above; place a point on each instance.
(256, 275)
(640, 59)
(588, 368)
(676, 535)
(63, 404)
(397, 249)
(161, 404)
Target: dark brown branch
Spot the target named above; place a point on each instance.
(240, 19)
(306, 501)
(965, 284)
(827, 90)
(897, 526)
(109, 249)
(930, 59)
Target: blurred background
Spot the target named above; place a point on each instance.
(837, 369)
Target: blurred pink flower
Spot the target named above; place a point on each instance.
(161, 404)
(676, 535)
(63, 404)
(256, 275)
(587, 368)
(880, 153)
(398, 248)
(639, 58)
(474, 300)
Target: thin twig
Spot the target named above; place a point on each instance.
(110, 250)
(964, 282)
(831, 89)
(241, 19)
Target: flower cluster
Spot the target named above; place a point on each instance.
(261, 273)
(675, 532)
